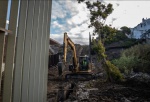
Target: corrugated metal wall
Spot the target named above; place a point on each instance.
(26, 64)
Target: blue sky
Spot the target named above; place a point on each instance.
(73, 18)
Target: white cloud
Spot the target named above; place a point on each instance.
(56, 24)
(129, 13)
(82, 14)
(78, 34)
(76, 25)
(76, 17)
(58, 10)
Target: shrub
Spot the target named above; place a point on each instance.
(113, 71)
(136, 58)
(130, 42)
(126, 63)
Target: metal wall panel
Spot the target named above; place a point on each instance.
(27, 51)
(3, 14)
(47, 45)
(41, 86)
(45, 66)
(31, 56)
(33, 53)
(40, 94)
(8, 79)
(38, 54)
(47, 19)
(20, 51)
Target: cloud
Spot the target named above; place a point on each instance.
(73, 18)
(56, 24)
(58, 10)
(129, 13)
(74, 21)
(82, 14)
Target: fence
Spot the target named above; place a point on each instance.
(53, 59)
(26, 64)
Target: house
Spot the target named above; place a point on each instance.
(54, 52)
(142, 30)
(53, 46)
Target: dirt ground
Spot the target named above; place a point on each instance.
(122, 92)
(127, 91)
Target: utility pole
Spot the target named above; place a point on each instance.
(90, 46)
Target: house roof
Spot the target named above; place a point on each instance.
(53, 42)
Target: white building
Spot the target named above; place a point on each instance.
(139, 31)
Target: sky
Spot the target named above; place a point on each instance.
(71, 17)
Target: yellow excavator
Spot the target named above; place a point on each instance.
(81, 68)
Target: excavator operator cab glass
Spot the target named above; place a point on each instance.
(83, 63)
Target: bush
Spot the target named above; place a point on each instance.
(136, 58)
(113, 71)
(126, 63)
(119, 36)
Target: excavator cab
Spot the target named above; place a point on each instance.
(83, 63)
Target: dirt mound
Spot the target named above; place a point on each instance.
(110, 92)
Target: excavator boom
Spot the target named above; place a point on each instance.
(79, 70)
(68, 41)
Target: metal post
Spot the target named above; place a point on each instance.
(3, 14)
(10, 53)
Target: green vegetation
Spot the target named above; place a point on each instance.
(99, 12)
(118, 36)
(136, 58)
(99, 49)
(131, 42)
(125, 30)
(113, 73)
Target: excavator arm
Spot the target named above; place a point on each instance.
(68, 41)
(80, 72)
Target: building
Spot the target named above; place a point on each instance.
(53, 46)
(54, 52)
(141, 31)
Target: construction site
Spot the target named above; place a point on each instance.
(35, 67)
(79, 87)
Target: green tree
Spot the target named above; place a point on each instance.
(125, 30)
(108, 33)
(99, 12)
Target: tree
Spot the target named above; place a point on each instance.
(115, 37)
(125, 30)
(99, 13)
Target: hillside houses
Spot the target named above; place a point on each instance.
(142, 30)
